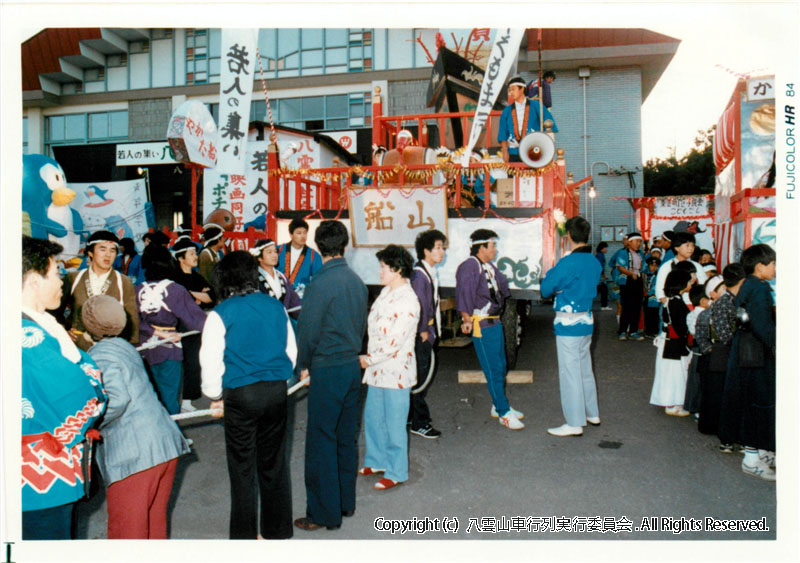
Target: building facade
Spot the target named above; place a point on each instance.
(87, 91)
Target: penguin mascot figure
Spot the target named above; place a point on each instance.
(45, 202)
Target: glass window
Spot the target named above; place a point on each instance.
(119, 123)
(201, 66)
(335, 57)
(312, 58)
(291, 109)
(357, 110)
(24, 135)
(214, 41)
(356, 122)
(75, 126)
(335, 37)
(336, 106)
(288, 41)
(338, 123)
(258, 110)
(291, 61)
(98, 125)
(313, 107)
(266, 44)
(312, 38)
(334, 69)
(213, 67)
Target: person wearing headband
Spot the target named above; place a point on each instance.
(682, 247)
(298, 261)
(100, 279)
(573, 282)
(273, 282)
(185, 252)
(519, 118)
(163, 303)
(213, 243)
(666, 245)
(631, 287)
(481, 293)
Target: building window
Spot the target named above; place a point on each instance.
(202, 55)
(317, 113)
(24, 135)
(85, 128)
(308, 52)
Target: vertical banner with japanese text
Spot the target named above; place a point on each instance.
(397, 215)
(244, 194)
(504, 53)
(238, 51)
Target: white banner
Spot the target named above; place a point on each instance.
(504, 53)
(396, 215)
(142, 154)
(114, 206)
(519, 254)
(235, 91)
(193, 135)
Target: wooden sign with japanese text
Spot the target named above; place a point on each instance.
(382, 216)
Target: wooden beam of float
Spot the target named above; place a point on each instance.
(477, 376)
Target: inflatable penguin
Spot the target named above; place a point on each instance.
(45, 200)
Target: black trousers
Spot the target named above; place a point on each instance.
(651, 319)
(191, 367)
(419, 415)
(331, 455)
(631, 299)
(602, 290)
(255, 440)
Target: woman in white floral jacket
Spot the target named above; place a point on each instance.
(391, 369)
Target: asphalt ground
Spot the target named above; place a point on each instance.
(638, 468)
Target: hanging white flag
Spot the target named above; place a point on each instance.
(504, 52)
(238, 50)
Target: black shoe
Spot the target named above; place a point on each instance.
(309, 526)
(426, 431)
(348, 513)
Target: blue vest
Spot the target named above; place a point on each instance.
(575, 278)
(255, 340)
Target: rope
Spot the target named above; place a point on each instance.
(208, 412)
(273, 136)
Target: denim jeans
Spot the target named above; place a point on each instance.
(385, 415)
(491, 350)
(576, 379)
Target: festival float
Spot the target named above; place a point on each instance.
(420, 178)
(744, 158)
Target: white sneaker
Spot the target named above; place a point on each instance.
(517, 413)
(767, 457)
(676, 411)
(511, 421)
(760, 469)
(566, 430)
(187, 406)
(593, 420)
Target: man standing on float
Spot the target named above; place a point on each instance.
(518, 119)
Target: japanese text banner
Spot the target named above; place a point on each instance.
(235, 91)
(504, 52)
(396, 215)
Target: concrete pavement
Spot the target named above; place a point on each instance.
(500, 484)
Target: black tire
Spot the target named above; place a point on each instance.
(510, 320)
